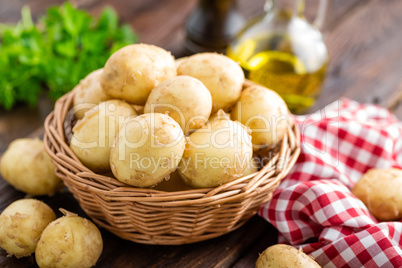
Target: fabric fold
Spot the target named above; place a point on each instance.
(314, 202)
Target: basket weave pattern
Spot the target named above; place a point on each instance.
(155, 217)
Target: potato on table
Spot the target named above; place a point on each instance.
(21, 225)
(133, 71)
(381, 191)
(285, 256)
(28, 168)
(183, 98)
(221, 75)
(69, 241)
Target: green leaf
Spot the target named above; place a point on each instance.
(26, 18)
(108, 21)
(75, 21)
(7, 98)
(65, 46)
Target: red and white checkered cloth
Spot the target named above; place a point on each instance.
(313, 208)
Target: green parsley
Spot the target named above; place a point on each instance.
(56, 53)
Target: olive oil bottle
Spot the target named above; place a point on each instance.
(283, 52)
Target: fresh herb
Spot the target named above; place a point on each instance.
(56, 53)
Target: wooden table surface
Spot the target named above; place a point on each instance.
(364, 38)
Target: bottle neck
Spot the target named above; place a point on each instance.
(291, 7)
(222, 6)
(213, 25)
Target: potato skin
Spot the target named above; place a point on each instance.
(21, 225)
(178, 61)
(222, 76)
(265, 113)
(147, 149)
(69, 241)
(133, 71)
(93, 135)
(216, 154)
(252, 167)
(28, 168)
(183, 98)
(88, 94)
(380, 190)
(219, 115)
(284, 256)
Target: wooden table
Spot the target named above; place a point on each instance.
(364, 39)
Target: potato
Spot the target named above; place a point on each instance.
(133, 71)
(265, 113)
(21, 225)
(88, 94)
(284, 256)
(177, 62)
(138, 108)
(216, 154)
(252, 167)
(380, 190)
(219, 115)
(94, 134)
(69, 241)
(28, 168)
(183, 98)
(221, 75)
(147, 149)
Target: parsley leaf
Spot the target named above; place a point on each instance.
(56, 53)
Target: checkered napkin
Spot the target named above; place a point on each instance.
(313, 208)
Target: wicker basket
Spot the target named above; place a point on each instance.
(154, 217)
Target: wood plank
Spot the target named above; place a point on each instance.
(22, 120)
(365, 55)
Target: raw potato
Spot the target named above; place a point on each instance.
(183, 98)
(177, 62)
(252, 167)
(21, 225)
(265, 113)
(70, 241)
(138, 108)
(284, 256)
(88, 94)
(94, 134)
(216, 154)
(28, 168)
(147, 149)
(380, 190)
(133, 71)
(219, 115)
(222, 76)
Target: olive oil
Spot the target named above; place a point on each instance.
(284, 52)
(297, 80)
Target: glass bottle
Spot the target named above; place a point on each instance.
(284, 52)
(212, 26)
